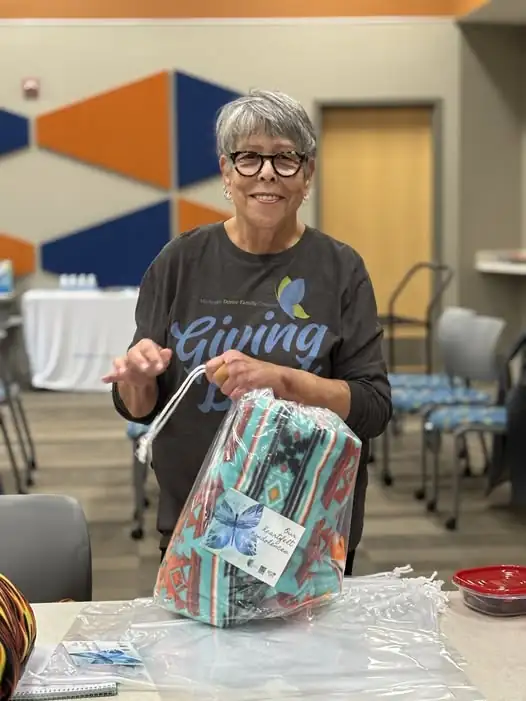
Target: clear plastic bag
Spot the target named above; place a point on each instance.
(381, 639)
(264, 531)
(99, 625)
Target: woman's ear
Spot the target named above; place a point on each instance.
(224, 167)
(310, 171)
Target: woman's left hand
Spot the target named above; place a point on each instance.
(240, 374)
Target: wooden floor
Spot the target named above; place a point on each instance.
(83, 452)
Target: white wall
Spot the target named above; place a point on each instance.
(491, 163)
(43, 195)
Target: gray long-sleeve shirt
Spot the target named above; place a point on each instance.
(310, 307)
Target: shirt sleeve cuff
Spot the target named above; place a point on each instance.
(355, 419)
(122, 409)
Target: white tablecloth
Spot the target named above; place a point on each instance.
(72, 336)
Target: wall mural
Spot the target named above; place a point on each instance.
(158, 131)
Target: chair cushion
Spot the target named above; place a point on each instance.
(448, 419)
(410, 401)
(135, 430)
(418, 381)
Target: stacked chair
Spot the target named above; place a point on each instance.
(453, 405)
(460, 421)
(451, 387)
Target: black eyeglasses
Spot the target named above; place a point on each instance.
(250, 163)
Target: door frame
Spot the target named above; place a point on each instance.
(437, 134)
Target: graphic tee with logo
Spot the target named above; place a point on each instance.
(310, 307)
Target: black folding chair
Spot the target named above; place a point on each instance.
(6, 404)
(10, 396)
(442, 276)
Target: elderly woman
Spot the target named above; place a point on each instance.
(280, 304)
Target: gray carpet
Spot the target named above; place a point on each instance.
(83, 452)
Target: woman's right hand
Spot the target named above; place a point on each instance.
(143, 362)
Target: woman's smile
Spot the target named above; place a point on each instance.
(267, 198)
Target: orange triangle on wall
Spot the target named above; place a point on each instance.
(126, 130)
(191, 214)
(21, 253)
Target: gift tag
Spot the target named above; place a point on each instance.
(252, 537)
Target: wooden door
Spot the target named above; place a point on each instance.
(376, 193)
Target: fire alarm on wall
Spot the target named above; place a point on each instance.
(31, 88)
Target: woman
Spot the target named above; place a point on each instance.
(278, 303)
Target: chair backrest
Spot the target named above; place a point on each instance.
(442, 277)
(475, 355)
(45, 547)
(451, 336)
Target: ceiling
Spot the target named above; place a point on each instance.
(498, 12)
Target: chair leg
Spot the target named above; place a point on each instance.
(434, 438)
(452, 522)
(140, 471)
(386, 475)
(396, 425)
(11, 455)
(485, 452)
(24, 436)
(420, 493)
(462, 449)
(25, 423)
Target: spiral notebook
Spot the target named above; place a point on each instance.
(63, 691)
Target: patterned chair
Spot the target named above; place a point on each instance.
(432, 389)
(459, 422)
(140, 474)
(471, 358)
(448, 325)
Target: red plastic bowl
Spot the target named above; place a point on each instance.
(499, 590)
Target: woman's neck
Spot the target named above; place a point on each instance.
(264, 240)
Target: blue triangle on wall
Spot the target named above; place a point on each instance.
(118, 251)
(196, 105)
(14, 132)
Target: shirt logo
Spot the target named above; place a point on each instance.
(265, 335)
(290, 294)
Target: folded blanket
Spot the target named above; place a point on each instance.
(264, 531)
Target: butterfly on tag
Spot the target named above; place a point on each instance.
(234, 528)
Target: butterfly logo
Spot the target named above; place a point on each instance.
(231, 528)
(290, 293)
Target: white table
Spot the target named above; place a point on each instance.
(72, 336)
(501, 262)
(493, 648)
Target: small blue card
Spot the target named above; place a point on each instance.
(102, 652)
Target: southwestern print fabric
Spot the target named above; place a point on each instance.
(299, 462)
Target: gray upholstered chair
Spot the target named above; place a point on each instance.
(45, 547)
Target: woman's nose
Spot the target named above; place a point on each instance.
(267, 171)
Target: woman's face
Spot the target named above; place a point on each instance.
(269, 195)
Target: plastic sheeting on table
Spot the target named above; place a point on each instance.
(380, 641)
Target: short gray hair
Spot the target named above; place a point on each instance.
(268, 112)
